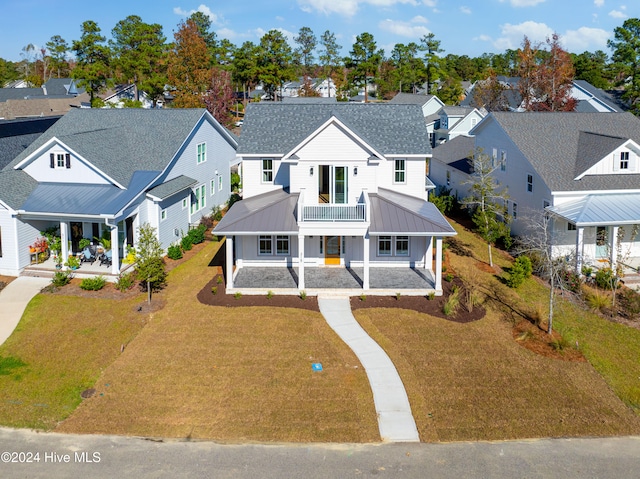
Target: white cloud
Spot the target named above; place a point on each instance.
(617, 14)
(202, 8)
(430, 3)
(350, 7)
(403, 29)
(585, 39)
(280, 19)
(598, 3)
(524, 3)
(512, 35)
(419, 19)
(483, 38)
(465, 10)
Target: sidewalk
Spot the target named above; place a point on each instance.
(395, 420)
(14, 299)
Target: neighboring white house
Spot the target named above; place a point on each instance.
(584, 168)
(340, 185)
(430, 105)
(113, 170)
(456, 121)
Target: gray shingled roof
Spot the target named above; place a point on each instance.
(600, 94)
(551, 142)
(395, 213)
(19, 93)
(456, 153)
(122, 141)
(16, 135)
(456, 110)
(277, 128)
(592, 147)
(171, 187)
(410, 99)
(273, 212)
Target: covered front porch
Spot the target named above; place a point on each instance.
(383, 281)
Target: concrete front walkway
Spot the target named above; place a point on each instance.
(395, 420)
(14, 299)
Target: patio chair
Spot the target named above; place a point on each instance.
(106, 258)
(87, 256)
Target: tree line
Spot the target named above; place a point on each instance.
(204, 71)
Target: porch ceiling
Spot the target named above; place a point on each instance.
(601, 210)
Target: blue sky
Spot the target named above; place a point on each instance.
(469, 27)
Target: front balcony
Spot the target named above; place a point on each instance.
(334, 213)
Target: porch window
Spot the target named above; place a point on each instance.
(265, 245)
(282, 245)
(399, 171)
(202, 153)
(267, 170)
(529, 183)
(571, 226)
(384, 245)
(402, 246)
(624, 160)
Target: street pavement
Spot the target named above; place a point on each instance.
(64, 456)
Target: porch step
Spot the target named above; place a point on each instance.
(632, 281)
(37, 273)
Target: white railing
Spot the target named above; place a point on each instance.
(326, 212)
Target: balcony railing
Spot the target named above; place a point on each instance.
(334, 213)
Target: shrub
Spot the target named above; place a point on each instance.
(431, 296)
(363, 297)
(174, 251)
(269, 294)
(571, 280)
(605, 278)
(214, 290)
(186, 243)
(443, 200)
(219, 280)
(560, 343)
(448, 277)
(60, 278)
(207, 222)
(197, 234)
(398, 295)
(587, 270)
(237, 295)
(125, 282)
(521, 270)
(303, 295)
(93, 284)
(216, 213)
(630, 301)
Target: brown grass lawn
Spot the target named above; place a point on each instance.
(230, 374)
(474, 382)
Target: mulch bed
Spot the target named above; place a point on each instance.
(540, 342)
(206, 296)
(415, 303)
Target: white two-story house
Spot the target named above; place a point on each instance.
(98, 173)
(335, 185)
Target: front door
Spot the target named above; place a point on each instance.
(601, 242)
(332, 250)
(76, 236)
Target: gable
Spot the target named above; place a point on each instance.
(57, 163)
(609, 156)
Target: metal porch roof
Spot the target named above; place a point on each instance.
(601, 210)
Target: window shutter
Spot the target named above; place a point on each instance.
(52, 159)
(68, 160)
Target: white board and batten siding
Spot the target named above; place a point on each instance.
(610, 165)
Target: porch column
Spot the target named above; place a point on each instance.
(365, 252)
(428, 256)
(115, 251)
(438, 272)
(300, 262)
(64, 241)
(613, 243)
(229, 251)
(579, 249)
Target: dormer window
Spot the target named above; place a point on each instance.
(624, 160)
(60, 160)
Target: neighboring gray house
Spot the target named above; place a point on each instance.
(113, 170)
(335, 185)
(16, 135)
(456, 121)
(584, 168)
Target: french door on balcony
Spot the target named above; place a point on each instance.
(332, 184)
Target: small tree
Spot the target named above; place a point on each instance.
(149, 259)
(489, 204)
(538, 243)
